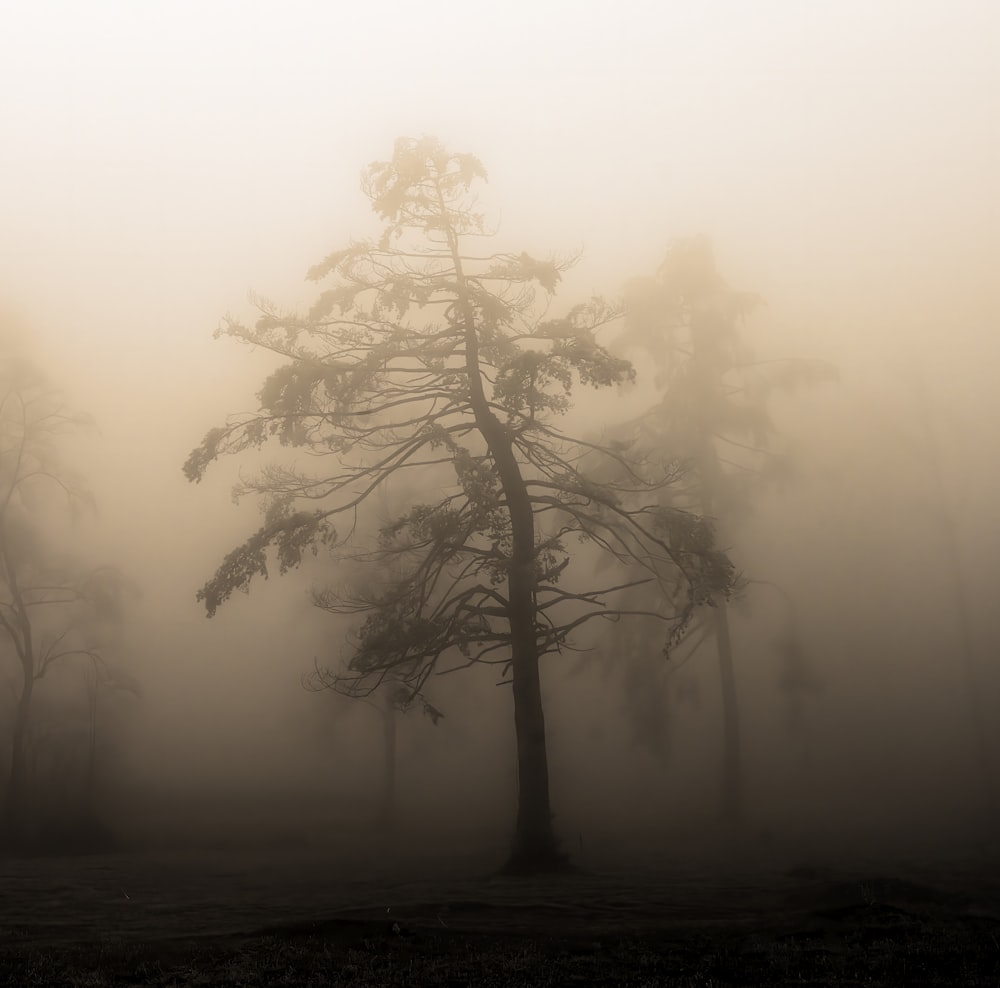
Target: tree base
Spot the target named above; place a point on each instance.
(538, 862)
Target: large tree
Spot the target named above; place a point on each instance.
(428, 362)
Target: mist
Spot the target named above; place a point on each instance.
(162, 163)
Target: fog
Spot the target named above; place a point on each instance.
(160, 162)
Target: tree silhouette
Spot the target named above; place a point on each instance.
(396, 698)
(49, 605)
(714, 417)
(431, 363)
(925, 445)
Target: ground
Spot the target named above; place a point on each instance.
(358, 912)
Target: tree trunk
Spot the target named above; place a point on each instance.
(534, 847)
(710, 471)
(982, 752)
(979, 735)
(731, 805)
(387, 806)
(979, 740)
(732, 776)
(92, 697)
(13, 818)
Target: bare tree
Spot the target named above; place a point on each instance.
(47, 601)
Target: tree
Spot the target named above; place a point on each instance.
(48, 603)
(106, 678)
(714, 415)
(925, 445)
(429, 361)
(396, 699)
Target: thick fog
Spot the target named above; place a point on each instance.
(161, 162)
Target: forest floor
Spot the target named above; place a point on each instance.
(363, 914)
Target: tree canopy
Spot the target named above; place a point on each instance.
(432, 364)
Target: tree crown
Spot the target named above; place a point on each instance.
(435, 366)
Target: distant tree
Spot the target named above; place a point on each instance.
(48, 602)
(924, 445)
(394, 698)
(105, 680)
(714, 418)
(429, 362)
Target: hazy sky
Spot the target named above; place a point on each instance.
(161, 160)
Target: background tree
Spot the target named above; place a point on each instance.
(428, 358)
(714, 417)
(108, 595)
(919, 439)
(394, 699)
(48, 602)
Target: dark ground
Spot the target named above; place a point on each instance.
(368, 912)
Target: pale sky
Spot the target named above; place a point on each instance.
(160, 160)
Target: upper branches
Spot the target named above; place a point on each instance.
(434, 368)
